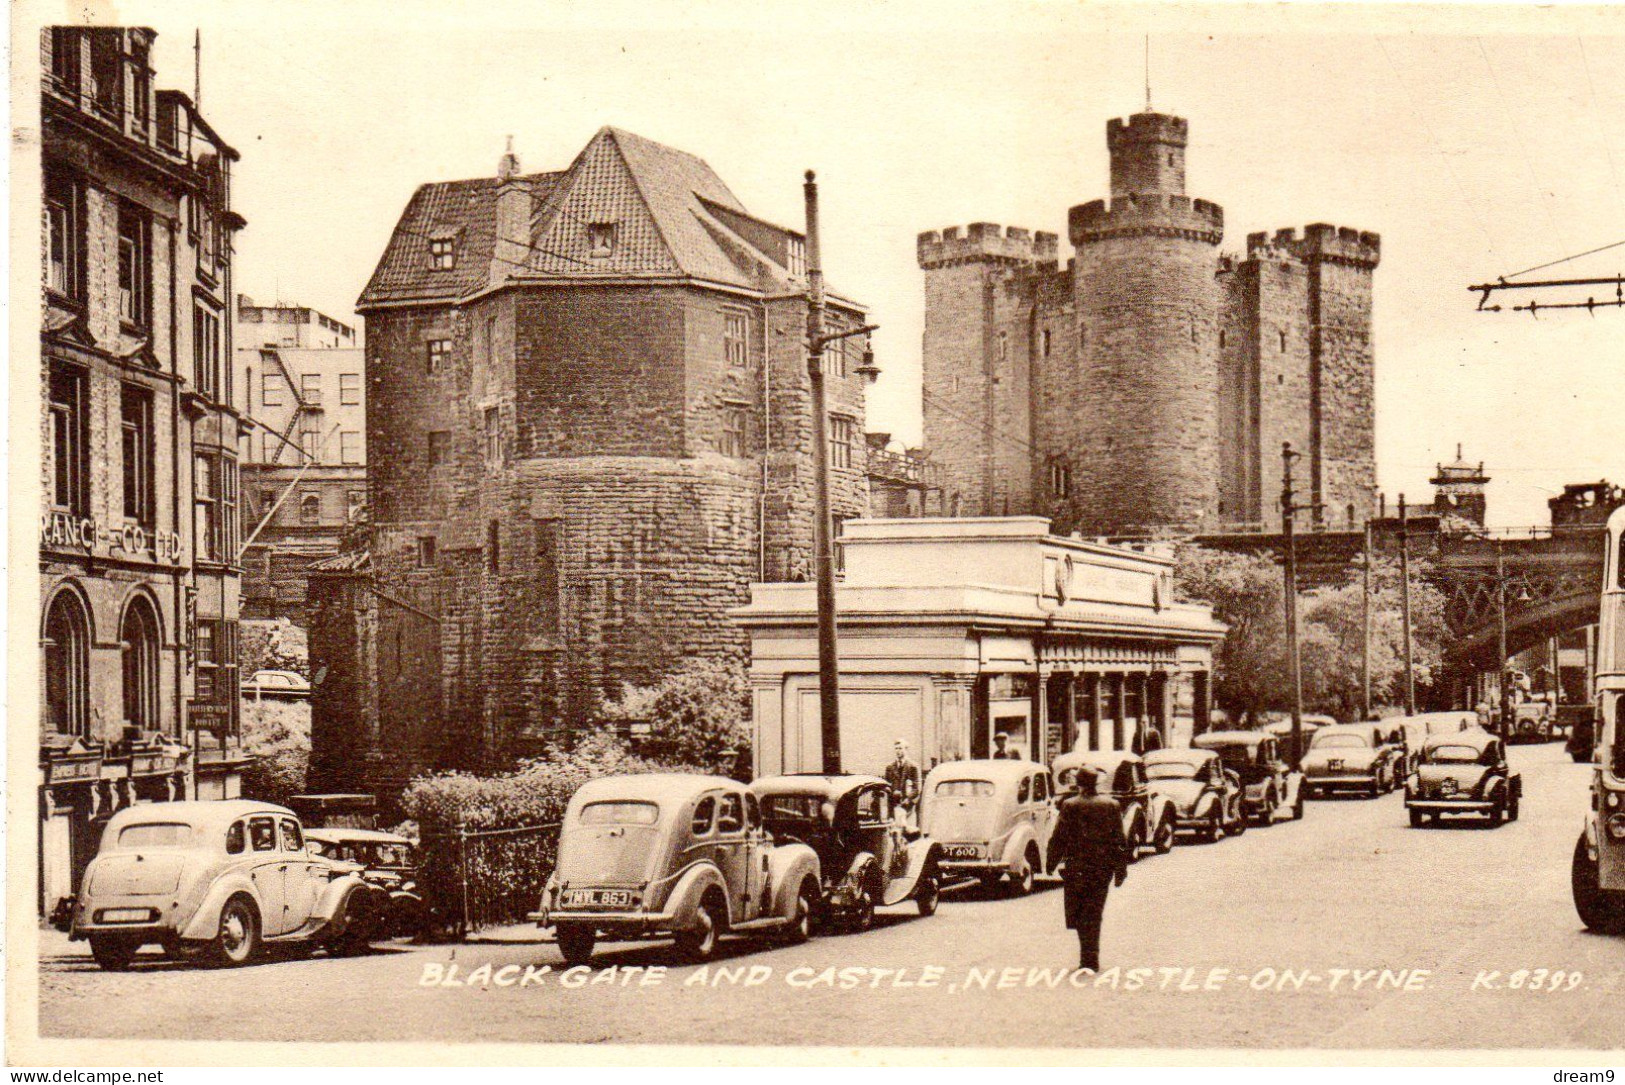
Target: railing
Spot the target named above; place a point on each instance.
(476, 878)
(905, 469)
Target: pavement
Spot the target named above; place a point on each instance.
(1346, 930)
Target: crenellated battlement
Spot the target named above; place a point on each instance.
(1147, 128)
(1320, 241)
(1146, 213)
(986, 241)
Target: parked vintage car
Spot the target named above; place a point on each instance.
(277, 684)
(1416, 730)
(1205, 796)
(1148, 818)
(1353, 757)
(673, 855)
(218, 879)
(868, 857)
(1463, 773)
(992, 820)
(1532, 721)
(1282, 730)
(386, 860)
(1270, 788)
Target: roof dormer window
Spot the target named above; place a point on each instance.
(601, 238)
(443, 253)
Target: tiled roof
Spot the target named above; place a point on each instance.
(671, 215)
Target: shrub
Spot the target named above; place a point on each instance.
(698, 715)
(276, 734)
(476, 866)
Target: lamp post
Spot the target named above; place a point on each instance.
(1365, 624)
(829, 685)
(1501, 646)
(1290, 586)
(1405, 606)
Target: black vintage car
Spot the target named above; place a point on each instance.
(1270, 787)
(868, 857)
(1464, 773)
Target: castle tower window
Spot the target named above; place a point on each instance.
(67, 667)
(139, 641)
(495, 453)
(426, 551)
(493, 545)
(843, 435)
(601, 238)
(733, 431)
(439, 353)
(1004, 347)
(1060, 478)
(443, 253)
(1044, 339)
(439, 448)
(1221, 339)
(1282, 334)
(735, 336)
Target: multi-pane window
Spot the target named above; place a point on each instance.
(439, 354)
(67, 666)
(65, 241)
(271, 385)
(134, 265)
(70, 439)
(843, 438)
(495, 452)
(214, 497)
(139, 642)
(350, 446)
(310, 445)
(106, 74)
(140, 86)
(350, 389)
(835, 356)
(138, 454)
(736, 336)
(734, 421)
(310, 389)
(216, 651)
(206, 351)
(795, 260)
(443, 253)
(439, 448)
(65, 59)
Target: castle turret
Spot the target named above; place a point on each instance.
(1144, 434)
(1459, 490)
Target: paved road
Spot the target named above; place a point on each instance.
(1349, 890)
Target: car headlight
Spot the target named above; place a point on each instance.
(1616, 826)
(1613, 800)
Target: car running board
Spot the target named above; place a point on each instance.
(763, 924)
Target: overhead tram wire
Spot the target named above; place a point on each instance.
(1564, 260)
(1591, 89)
(987, 428)
(1438, 147)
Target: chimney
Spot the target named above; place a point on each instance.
(509, 255)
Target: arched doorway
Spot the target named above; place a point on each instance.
(67, 666)
(140, 641)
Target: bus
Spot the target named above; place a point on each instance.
(1598, 874)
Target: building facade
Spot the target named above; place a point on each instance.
(954, 631)
(300, 385)
(588, 430)
(1148, 384)
(139, 516)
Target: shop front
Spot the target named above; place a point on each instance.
(955, 632)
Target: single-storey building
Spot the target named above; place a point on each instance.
(955, 631)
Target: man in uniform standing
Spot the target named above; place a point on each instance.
(1089, 847)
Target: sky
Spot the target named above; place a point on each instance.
(1477, 142)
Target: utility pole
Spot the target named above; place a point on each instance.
(1405, 606)
(1290, 579)
(1501, 650)
(829, 681)
(1365, 625)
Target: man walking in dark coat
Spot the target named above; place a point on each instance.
(1089, 847)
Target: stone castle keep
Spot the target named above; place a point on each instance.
(1148, 383)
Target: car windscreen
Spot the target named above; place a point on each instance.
(792, 807)
(1340, 742)
(1171, 770)
(620, 813)
(1452, 755)
(964, 789)
(155, 834)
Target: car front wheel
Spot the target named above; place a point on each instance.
(238, 938)
(1164, 840)
(801, 922)
(928, 894)
(112, 951)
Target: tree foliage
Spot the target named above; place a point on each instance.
(276, 734)
(1251, 668)
(698, 715)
